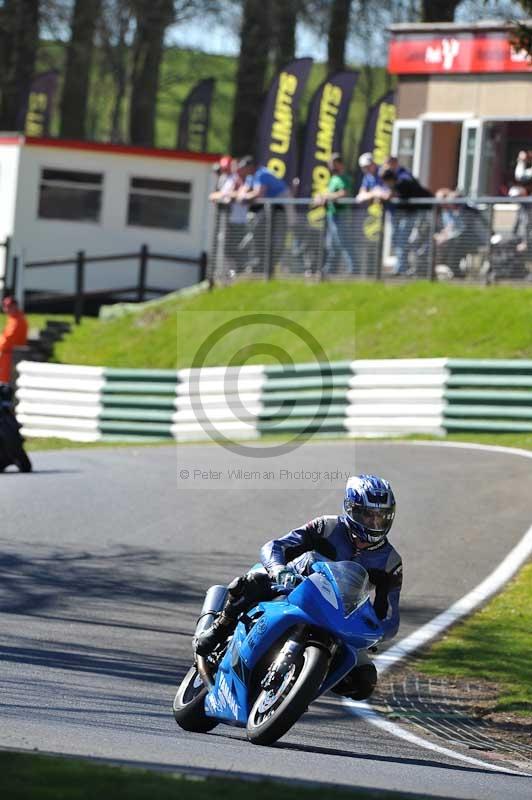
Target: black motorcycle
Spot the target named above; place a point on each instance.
(11, 442)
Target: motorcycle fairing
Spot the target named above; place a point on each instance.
(316, 602)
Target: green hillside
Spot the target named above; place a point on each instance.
(181, 69)
(362, 320)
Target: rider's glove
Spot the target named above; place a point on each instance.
(286, 576)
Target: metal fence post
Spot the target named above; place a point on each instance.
(380, 247)
(14, 275)
(268, 255)
(7, 246)
(322, 251)
(490, 275)
(143, 269)
(203, 264)
(432, 246)
(80, 286)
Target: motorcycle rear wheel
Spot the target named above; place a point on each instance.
(273, 714)
(189, 709)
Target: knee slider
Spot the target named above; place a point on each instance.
(359, 684)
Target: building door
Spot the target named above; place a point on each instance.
(444, 155)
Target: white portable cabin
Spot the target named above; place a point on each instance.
(58, 197)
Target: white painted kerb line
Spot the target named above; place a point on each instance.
(472, 600)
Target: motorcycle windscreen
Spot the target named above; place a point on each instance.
(351, 582)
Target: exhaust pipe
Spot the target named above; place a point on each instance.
(212, 606)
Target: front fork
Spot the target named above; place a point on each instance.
(288, 655)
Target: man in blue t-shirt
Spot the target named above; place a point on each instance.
(259, 182)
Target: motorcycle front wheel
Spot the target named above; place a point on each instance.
(274, 712)
(189, 709)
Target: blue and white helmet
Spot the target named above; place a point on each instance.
(369, 505)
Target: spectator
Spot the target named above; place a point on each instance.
(401, 185)
(449, 238)
(222, 169)
(339, 222)
(260, 183)
(522, 228)
(370, 188)
(401, 172)
(231, 220)
(523, 167)
(15, 334)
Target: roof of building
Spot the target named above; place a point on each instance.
(106, 147)
(481, 26)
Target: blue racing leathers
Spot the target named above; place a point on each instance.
(330, 536)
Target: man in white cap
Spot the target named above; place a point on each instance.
(371, 186)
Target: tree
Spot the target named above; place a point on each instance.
(153, 18)
(438, 10)
(114, 35)
(19, 39)
(255, 39)
(75, 95)
(336, 40)
(284, 24)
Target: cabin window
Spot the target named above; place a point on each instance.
(157, 203)
(70, 195)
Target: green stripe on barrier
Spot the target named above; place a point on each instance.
(134, 401)
(471, 425)
(140, 415)
(325, 382)
(116, 374)
(519, 412)
(313, 368)
(131, 438)
(151, 428)
(486, 396)
(135, 387)
(298, 426)
(489, 380)
(338, 396)
(325, 410)
(489, 365)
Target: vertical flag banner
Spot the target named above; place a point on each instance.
(194, 120)
(376, 139)
(277, 131)
(325, 129)
(35, 116)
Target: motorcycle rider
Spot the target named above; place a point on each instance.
(361, 535)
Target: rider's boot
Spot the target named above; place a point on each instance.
(222, 627)
(244, 592)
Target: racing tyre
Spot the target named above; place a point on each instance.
(189, 710)
(274, 712)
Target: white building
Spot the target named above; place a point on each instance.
(58, 197)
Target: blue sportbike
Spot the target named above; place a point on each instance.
(284, 653)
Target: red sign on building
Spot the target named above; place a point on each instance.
(462, 53)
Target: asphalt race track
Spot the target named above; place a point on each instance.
(105, 556)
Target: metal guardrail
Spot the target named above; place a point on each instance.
(485, 239)
(139, 288)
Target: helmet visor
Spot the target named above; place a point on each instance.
(378, 520)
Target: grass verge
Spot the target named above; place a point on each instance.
(29, 777)
(360, 320)
(519, 440)
(493, 645)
